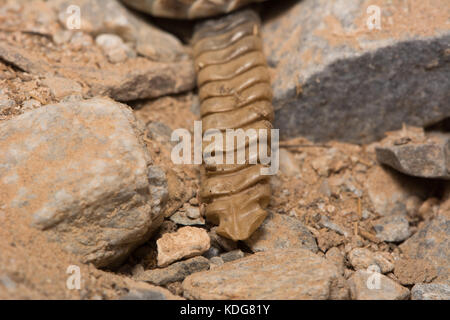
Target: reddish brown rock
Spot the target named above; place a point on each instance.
(363, 258)
(365, 286)
(185, 243)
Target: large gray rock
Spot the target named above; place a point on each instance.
(78, 171)
(431, 243)
(416, 154)
(280, 274)
(334, 78)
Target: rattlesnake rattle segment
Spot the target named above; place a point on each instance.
(235, 92)
(187, 9)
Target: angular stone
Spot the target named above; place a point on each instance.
(175, 272)
(364, 286)
(281, 232)
(416, 154)
(335, 78)
(431, 243)
(393, 228)
(280, 274)
(362, 258)
(185, 243)
(432, 291)
(78, 170)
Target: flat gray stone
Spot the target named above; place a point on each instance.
(175, 272)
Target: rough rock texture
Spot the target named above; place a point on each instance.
(351, 83)
(389, 191)
(110, 16)
(78, 170)
(335, 256)
(137, 78)
(411, 271)
(281, 274)
(175, 272)
(145, 291)
(362, 258)
(232, 255)
(432, 291)
(431, 243)
(186, 242)
(393, 228)
(362, 287)
(281, 232)
(62, 87)
(416, 154)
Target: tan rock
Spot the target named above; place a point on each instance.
(185, 243)
(280, 274)
(79, 172)
(362, 258)
(281, 232)
(412, 271)
(335, 256)
(365, 286)
(431, 243)
(62, 87)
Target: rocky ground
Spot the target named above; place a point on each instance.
(86, 178)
